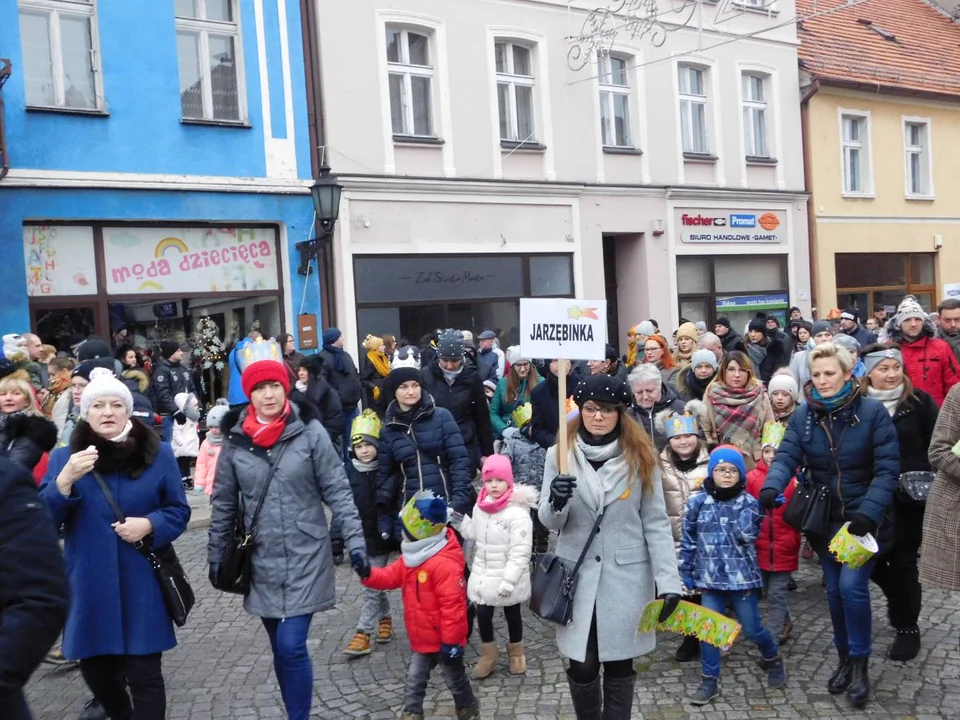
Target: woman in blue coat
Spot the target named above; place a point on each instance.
(847, 442)
(118, 625)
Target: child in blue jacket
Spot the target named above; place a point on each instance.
(718, 558)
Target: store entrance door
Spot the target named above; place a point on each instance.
(55, 324)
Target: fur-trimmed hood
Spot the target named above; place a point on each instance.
(131, 457)
(139, 377)
(895, 334)
(39, 429)
(525, 496)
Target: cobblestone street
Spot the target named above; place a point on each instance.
(222, 667)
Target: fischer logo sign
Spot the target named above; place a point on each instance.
(714, 226)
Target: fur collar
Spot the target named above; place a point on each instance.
(40, 430)
(139, 377)
(132, 456)
(524, 496)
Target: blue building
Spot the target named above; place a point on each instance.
(158, 168)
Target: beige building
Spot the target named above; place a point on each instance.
(482, 163)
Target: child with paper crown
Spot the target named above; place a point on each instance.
(430, 573)
(718, 558)
(362, 472)
(684, 464)
(778, 545)
(527, 459)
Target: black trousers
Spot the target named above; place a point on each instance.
(589, 670)
(109, 676)
(896, 571)
(514, 622)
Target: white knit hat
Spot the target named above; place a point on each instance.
(514, 356)
(104, 383)
(909, 308)
(784, 382)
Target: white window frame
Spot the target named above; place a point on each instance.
(204, 28)
(925, 152)
(865, 145)
(512, 81)
(407, 71)
(686, 103)
(609, 91)
(750, 108)
(84, 8)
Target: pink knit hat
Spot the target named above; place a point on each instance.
(498, 466)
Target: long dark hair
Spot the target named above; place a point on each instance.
(635, 444)
(741, 359)
(513, 383)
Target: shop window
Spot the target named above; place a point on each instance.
(694, 275)
(866, 280)
(410, 74)
(737, 287)
(551, 275)
(734, 274)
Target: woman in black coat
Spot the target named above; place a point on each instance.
(914, 414)
(312, 387)
(545, 399)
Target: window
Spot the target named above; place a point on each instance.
(916, 143)
(411, 78)
(61, 59)
(855, 144)
(515, 82)
(755, 115)
(208, 39)
(866, 280)
(693, 110)
(733, 286)
(614, 101)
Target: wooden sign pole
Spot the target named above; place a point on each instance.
(562, 426)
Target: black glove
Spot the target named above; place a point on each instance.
(451, 654)
(180, 418)
(385, 526)
(214, 574)
(861, 525)
(360, 563)
(768, 498)
(561, 490)
(670, 602)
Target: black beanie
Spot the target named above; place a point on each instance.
(603, 389)
(725, 321)
(93, 348)
(168, 348)
(758, 323)
(398, 377)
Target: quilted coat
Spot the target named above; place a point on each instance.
(434, 597)
(853, 451)
(718, 549)
(293, 572)
(424, 452)
(504, 545)
(940, 553)
(679, 485)
(467, 403)
(206, 469)
(778, 544)
(526, 457)
(929, 362)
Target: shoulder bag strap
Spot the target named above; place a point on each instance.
(586, 547)
(274, 463)
(143, 548)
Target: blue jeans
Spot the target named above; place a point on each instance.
(747, 610)
(166, 428)
(291, 663)
(848, 597)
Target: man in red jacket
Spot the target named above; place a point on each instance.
(928, 361)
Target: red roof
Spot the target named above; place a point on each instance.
(894, 44)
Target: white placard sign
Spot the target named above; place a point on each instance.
(951, 290)
(563, 328)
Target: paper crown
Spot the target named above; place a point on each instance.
(522, 415)
(685, 424)
(773, 433)
(367, 423)
(424, 515)
(256, 350)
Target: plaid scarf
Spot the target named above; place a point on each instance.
(739, 416)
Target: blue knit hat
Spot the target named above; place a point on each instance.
(331, 335)
(727, 454)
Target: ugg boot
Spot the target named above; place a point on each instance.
(859, 691)
(587, 698)
(906, 646)
(487, 661)
(842, 676)
(518, 661)
(618, 697)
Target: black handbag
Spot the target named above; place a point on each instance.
(915, 486)
(234, 575)
(177, 594)
(809, 509)
(554, 583)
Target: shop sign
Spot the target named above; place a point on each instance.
(728, 226)
(563, 328)
(184, 260)
(59, 260)
(740, 303)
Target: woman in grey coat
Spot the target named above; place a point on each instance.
(292, 567)
(613, 472)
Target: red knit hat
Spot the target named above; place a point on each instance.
(264, 371)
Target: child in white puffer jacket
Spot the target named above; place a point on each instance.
(500, 576)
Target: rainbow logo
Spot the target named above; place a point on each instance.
(170, 242)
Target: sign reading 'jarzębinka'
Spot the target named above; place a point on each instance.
(563, 328)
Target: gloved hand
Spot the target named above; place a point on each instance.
(214, 574)
(670, 602)
(768, 498)
(451, 654)
(861, 525)
(336, 548)
(360, 563)
(561, 490)
(505, 589)
(385, 526)
(454, 518)
(689, 583)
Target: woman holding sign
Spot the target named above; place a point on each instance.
(609, 477)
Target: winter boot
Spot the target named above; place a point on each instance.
(791, 584)
(518, 661)
(709, 689)
(587, 698)
(618, 697)
(469, 713)
(785, 631)
(689, 649)
(385, 630)
(859, 691)
(359, 645)
(776, 671)
(487, 661)
(842, 676)
(906, 645)
(93, 710)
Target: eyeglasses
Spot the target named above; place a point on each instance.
(652, 349)
(593, 411)
(727, 472)
(521, 364)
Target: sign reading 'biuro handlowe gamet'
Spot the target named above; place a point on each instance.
(731, 226)
(563, 328)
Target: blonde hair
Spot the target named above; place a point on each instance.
(13, 382)
(830, 350)
(635, 444)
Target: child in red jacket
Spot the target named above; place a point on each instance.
(430, 572)
(778, 544)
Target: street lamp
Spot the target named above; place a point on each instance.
(326, 203)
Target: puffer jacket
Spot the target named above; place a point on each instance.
(928, 361)
(168, 381)
(545, 399)
(467, 403)
(679, 485)
(647, 418)
(853, 451)
(25, 438)
(526, 457)
(293, 572)
(185, 440)
(206, 470)
(424, 452)
(504, 545)
(434, 596)
(363, 484)
(778, 544)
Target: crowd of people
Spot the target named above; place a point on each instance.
(687, 456)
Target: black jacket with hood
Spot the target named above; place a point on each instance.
(324, 401)
(169, 379)
(466, 401)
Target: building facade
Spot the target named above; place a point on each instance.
(159, 168)
(485, 158)
(881, 84)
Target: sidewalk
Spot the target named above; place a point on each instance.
(199, 510)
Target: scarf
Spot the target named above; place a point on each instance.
(364, 467)
(451, 375)
(492, 506)
(214, 438)
(631, 353)
(380, 362)
(598, 488)
(723, 494)
(889, 398)
(301, 386)
(337, 354)
(265, 435)
(684, 465)
(832, 404)
(417, 552)
(739, 414)
(695, 385)
(123, 433)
